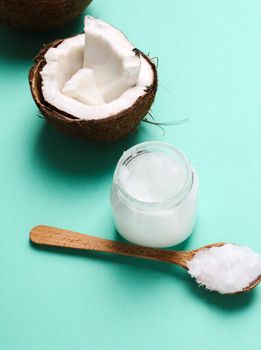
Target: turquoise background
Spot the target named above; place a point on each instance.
(209, 71)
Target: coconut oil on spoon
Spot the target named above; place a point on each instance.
(222, 267)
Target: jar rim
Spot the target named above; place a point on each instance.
(139, 149)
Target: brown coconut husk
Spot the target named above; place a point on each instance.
(40, 14)
(105, 129)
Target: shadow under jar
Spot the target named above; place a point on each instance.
(154, 195)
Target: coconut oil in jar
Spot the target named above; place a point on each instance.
(154, 195)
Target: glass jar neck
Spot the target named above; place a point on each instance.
(155, 146)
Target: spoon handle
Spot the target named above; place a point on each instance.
(52, 236)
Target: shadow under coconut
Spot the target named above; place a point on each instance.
(23, 45)
(75, 157)
(79, 158)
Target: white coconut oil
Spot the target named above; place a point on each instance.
(154, 195)
(226, 269)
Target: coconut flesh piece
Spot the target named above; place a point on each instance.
(95, 75)
(82, 86)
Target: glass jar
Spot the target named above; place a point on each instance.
(165, 214)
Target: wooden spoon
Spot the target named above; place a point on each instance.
(52, 236)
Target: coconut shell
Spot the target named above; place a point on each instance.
(105, 129)
(41, 14)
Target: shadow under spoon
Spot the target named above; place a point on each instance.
(52, 236)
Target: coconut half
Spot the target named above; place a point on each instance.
(94, 85)
(40, 14)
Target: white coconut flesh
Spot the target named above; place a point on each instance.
(96, 74)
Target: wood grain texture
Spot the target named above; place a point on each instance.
(52, 236)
